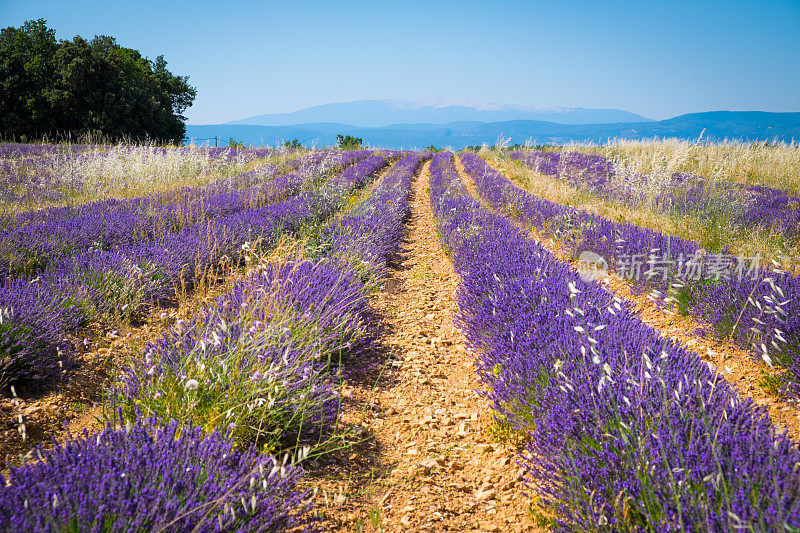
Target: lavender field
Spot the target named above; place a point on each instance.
(240, 339)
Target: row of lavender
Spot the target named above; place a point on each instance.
(748, 205)
(260, 366)
(759, 309)
(117, 283)
(625, 429)
(34, 239)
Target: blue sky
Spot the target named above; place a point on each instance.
(658, 59)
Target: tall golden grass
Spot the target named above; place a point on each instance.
(773, 165)
(690, 226)
(118, 171)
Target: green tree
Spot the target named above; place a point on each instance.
(92, 87)
(294, 143)
(26, 73)
(348, 142)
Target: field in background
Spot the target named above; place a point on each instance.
(688, 190)
(34, 176)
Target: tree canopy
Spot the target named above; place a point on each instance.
(97, 87)
(348, 142)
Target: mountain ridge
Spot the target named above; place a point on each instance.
(380, 113)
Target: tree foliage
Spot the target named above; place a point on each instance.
(348, 142)
(96, 87)
(294, 143)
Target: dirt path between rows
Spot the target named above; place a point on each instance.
(429, 464)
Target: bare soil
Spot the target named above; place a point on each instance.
(427, 462)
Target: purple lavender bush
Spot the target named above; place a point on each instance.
(33, 319)
(262, 362)
(180, 259)
(759, 310)
(149, 478)
(626, 430)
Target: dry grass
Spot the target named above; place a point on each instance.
(772, 165)
(117, 171)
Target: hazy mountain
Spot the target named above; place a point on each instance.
(378, 113)
(717, 125)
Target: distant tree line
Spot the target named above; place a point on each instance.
(294, 143)
(343, 142)
(86, 87)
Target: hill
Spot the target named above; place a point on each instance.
(717, 125)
